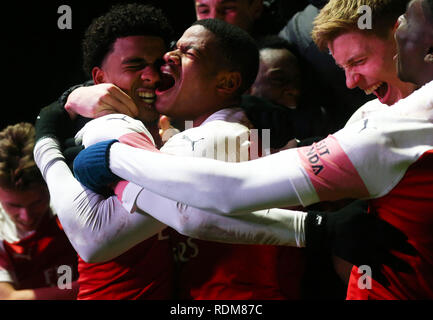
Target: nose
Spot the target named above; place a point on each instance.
(215, 14)
(172, 58)
(352, 79)
(150, 74)
(23, 214)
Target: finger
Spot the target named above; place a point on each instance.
(124, 102)
(106, 109)
(112, 104)
(164, 123)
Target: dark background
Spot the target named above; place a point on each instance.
(40, 61)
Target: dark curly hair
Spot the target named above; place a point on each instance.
(122, 21)
(238, 50)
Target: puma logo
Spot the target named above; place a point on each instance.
(365, 125)
(192, 142)
(124, 118)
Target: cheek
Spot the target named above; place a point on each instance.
(125, 81)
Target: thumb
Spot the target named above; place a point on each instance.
(164, 123)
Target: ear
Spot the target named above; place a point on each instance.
(228, 82)
(429, 56)
(98, 75)
(256, 8)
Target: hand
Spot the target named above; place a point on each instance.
(112, 126)
(53, 121)
(92, 169)
(166, 130)
(99, 100)
(358, 237)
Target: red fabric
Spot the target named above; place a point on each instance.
(217, 271)
(35, 259)
(143, 272)
(408, 207)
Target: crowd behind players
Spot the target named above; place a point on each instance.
(307, 94)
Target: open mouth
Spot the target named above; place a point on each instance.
(380, 90)
(147, 97)
(167, 82)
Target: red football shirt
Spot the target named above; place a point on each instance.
(218, 271)
(35, 260)
(143, 272)
(408, 207)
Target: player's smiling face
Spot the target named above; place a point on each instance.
(189, 75)
(26, 208)
(133, 65)
(368, 62)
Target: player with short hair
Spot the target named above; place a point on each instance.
(37, 261)
(385, 157)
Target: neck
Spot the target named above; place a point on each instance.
(197, 121)
(154, 131)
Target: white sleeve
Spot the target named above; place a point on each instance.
(213, 185)
(99, 229)
(363, 160)
(272, 227)
(6, 268)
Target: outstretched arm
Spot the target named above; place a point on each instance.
(211, 185)
(363, 160)
(99, 229)
(272, 227)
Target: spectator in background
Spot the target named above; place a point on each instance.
(331, 103)
(33, 245)
(258, 17)
(279, 76)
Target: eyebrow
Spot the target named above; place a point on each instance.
(351, 60)
(189, 46)
(201, 4)
(133, 60)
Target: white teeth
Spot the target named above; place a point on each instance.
(149, 101)
(146, 95)
(372, 89)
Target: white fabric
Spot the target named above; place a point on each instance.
(8, 230)
(6, 269)
(111, 126)
(366, 110)
(99, 229)
(381, 147)
(274, 227)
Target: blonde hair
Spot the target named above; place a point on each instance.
(18, 170)
(341, 16)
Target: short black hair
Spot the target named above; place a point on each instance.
(238, 50)
(276, 42)
(121, 21)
